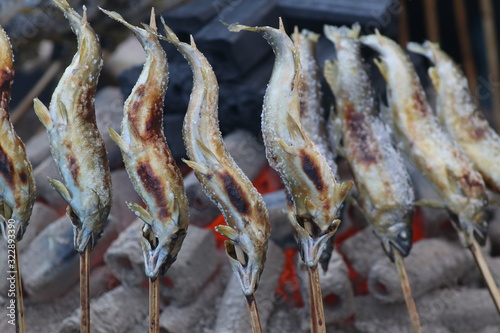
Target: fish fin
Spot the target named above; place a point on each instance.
(61, 189)
(42, 113)
(287, 148)
(330, 71)
(382, 67)
(209, 155)
(295, 129)
(433, 74)
(62, 112)
(170, 37)
(118, 140)
(117, 17)
(336, 33)
(140, 212)
(417, 48)
(196, 167)
(342, 189)
(228, 232)
(430, 203)
(152, 21)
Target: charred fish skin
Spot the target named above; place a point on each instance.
(460, 115)
(148, 160)
(384, 185)
(76, 144)
(312, 115)
(17, 183)
(222, 180)
(311, 185)
(437, 156)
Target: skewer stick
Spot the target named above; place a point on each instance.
(254, 313)
(154, 305)
(485, 271)
(84, 291)
(20, 327)
(405, 285)
(462, 26)
(431, 21)
(488, 19)
(404, 31)
(26, 103)
(316, 302)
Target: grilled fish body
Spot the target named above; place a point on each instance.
(386, 193)
(312, 115)
(17, 184)
(460, 116)
(437, 156)
(76, 144)
(308, 179)
(148, 159)
(222, 180)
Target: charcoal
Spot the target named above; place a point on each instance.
(338, 296)
(53, 263)
(232, 315)
(41, 216)
(48, 168)
(199, 314)
(113, 312)
(196, 262)
(362, 250)
(281, 230)
(190, 17)
(123, 192)
(234, 54)
(38, 148)
(312, 14)
(432, 263)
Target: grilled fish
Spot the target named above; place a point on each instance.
(75, 142)
(17, 184)
(148, 159)
(222, 180)
(437, 156)
(386, 193)
(315, 196)
(460, 116)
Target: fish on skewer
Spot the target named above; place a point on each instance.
(433, 151)
(312, 114)
(17, 183)
(76, 144)
(386, 193)
(148, 160)
(222, 180)
(315, 196)
(460, 115)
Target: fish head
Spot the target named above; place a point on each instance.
(247, 261)
(397, 236)
(471, 222)
(89, 229)
(160, 246)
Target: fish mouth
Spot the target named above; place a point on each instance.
(402, 242)
(158, 258)
(247, 267)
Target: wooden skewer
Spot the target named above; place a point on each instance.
(431, 20)
(404, 31)
(154, 305)
(488, 19)
(485, 271)
(405, 285)
(462, 26)
(254, 313)
(84, 291)
(316, 302)
(27, 101)
(20, 327)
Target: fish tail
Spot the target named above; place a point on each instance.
(336, 33)
(170, 37)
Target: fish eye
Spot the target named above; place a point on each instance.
(403, 235)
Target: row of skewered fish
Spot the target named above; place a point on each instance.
(456, 160)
